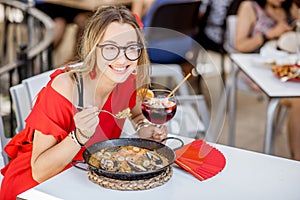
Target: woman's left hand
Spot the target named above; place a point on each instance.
(153, 132)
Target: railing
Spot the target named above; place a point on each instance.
(25, 47)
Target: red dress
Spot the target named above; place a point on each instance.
(53, 115)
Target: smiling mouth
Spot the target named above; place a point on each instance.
(119, 69)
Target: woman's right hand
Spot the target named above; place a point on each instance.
(86, 121)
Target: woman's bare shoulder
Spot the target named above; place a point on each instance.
(64, 85)
(247, 4)
(246, 9)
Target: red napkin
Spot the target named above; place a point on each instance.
(200, 159)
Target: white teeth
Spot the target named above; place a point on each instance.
(119, 69)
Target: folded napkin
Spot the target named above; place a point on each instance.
(200, 159)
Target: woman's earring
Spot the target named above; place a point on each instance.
(93, 73)
(134, 72)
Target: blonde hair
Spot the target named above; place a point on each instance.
(94, 32)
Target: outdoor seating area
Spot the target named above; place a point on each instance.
(227, 116)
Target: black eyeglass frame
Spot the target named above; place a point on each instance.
(124, 48)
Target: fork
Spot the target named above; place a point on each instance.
(120, 115)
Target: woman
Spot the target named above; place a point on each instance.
(262, 20)
(66, 115)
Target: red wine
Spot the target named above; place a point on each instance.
(159, 113)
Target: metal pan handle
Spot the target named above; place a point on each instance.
(174, 138)
(76, 162)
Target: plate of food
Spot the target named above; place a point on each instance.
(288, 72)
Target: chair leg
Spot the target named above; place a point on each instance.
(223, 67)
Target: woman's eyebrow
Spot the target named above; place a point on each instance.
(132, 42)
(114, 42)
(109, 41)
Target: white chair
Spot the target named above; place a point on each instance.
(21, 105)
(23, 96)
(192, 116)
(231, 21)
(172, 71)
(4, 141)
(34, 84)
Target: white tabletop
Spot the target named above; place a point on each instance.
(262, 75)
(247, 175)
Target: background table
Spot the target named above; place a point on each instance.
(89, 4)
(247, 175)
(262, 75)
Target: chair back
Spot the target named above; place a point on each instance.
(21, 104)
(172, 71)
(34, 84)
(169, 33)
(191, 118)
(192, 115)
(231, 23)
(177, 16)
(3, 142)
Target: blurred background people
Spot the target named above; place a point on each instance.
(62, 17)
(141, 7)
(262, 20)
(212, 17)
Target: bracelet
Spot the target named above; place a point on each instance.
(83, 135)
(141, 124)
(74, 138)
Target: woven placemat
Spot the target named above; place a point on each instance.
(143, 184)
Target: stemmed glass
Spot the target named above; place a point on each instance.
(160, 108)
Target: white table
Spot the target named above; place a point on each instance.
(262, 75)
(247, 175)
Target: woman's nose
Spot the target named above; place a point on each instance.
(121, 58)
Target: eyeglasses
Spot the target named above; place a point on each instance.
(110, 51)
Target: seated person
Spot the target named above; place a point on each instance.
(262, 20)
(66, 119)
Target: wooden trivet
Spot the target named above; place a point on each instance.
(143, 184)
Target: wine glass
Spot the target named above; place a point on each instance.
(160, 108)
